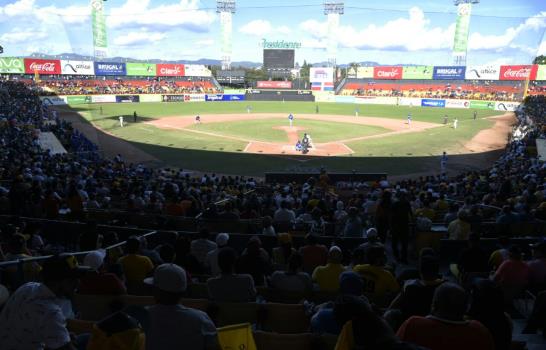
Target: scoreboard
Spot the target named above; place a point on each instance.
(278, 59)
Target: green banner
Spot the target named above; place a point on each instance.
(78, 100)
(100, 38)
(141, 69)
(482, 104)
(541, 72)
(12, 65)
(417, 72)
(462, 26)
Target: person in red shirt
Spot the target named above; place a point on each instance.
(99, 282)
(445, 328)
(313, 254)
(513, 274)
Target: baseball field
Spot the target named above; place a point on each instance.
(255, 137)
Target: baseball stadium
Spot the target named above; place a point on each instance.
(237, 174)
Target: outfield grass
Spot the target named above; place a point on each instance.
(415, 152)
(263, 129)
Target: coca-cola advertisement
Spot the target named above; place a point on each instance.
(33, 65)
(170, 70)
(274, 84)
(387, 72)
(519, 72)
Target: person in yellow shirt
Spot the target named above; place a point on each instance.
(379, 284)
(459, 229)
(426, 211)
(327, 277)
(135, 267)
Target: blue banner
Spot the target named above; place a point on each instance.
(110, 68)
(449, 73)
(432, 103)
(224, 97)
(127, 98)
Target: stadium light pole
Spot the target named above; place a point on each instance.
(226, 9)
(333, 10)
(462, 27)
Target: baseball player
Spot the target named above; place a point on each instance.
(290, 119)
(455, 122)
(409, 119)
(197, 119)
(475, 115)
(357, 110)
(445, 119)
(248, 109)
(121, 121)
(135, 116)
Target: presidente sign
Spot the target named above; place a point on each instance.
(77, 67)
(417, 72)
(39, 66)
(280, 44)
(12, 65)
(170, 70)
(141, 69)
(449, 72)
(387, 72)
(109, 68)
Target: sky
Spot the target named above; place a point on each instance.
(387, 31)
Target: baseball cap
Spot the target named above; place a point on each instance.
(169, 278)
(62, 266)
(371, 233)
(335, 254)
(95, 259)
(222, 239)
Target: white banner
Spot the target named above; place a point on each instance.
(379, 100)
(77, 67)
(103, 98)
(324, 96)
(321, 75)
(409, 101)
(196, 70)
(482, 72)
(506, 106)
(150, 98)
(457, 104)
(53, 100)
(196, 98)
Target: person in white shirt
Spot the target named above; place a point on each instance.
(201, 246)
(285, 213)
(211, 261)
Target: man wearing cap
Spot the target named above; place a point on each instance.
(173, 326)
(230, 286)
(327, 277)
(33, 318)
(211, 261)
(99, 282)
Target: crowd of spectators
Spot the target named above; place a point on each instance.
(378, 300)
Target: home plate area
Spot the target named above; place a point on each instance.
(319, 149)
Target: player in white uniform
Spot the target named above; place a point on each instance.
(455, 122)
(121, 121)
(409, 119)
(290, 119)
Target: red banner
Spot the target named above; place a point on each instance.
(387, 72)
(274, 84)
(520, 72)
(33, 65)
(170, 70)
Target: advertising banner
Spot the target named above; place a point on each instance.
(12, 65)
(103, 98)
(491, 72)
(427, 102)
(34, 65)
(127, 98)
(224, 97)
(449, 73)
(387, 72)
(541, 72)
(110, 68)
(173, 98)
(409, 101)
(170, 70)
(373, 100)
(53, 100)
(457, 104)
(519, 72)
(506, 106)
(100, 42)
(364, 72)
(321, 75)
(234, 91)
(141, 69)
(196, 97)
(150, 98)
(77, 67)
(324, 96)
(78, 100)
(482, 104)
(344, 99)
(197, 70)
(462, 25)
(274, 84)
(417, 72)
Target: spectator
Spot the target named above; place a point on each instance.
(452, 214)
(268, 229)
(285, 213)
(136, 267)
(166, 253)
(459, 228)
(353, 224)
(445, 328)
(313, 254)
(98, 281)
(230, 286)
(383, 215)
(293, 280)
(473, 260)
(201, 246)
(401, 214)
(255, 261)
(327, 277)
(501, 254)
(513, 274)
(282, 253)
(507, 216)
(211, 262)
(537, 267)
(173, 326)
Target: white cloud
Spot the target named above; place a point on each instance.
(261, 27)
(19, 8)
(28, 9)
(204, 43)
(184, 14)
(139, 38)
(542, 48)
(18, 35)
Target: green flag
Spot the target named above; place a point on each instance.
(100, 39)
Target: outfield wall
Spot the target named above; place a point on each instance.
(289, 95)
